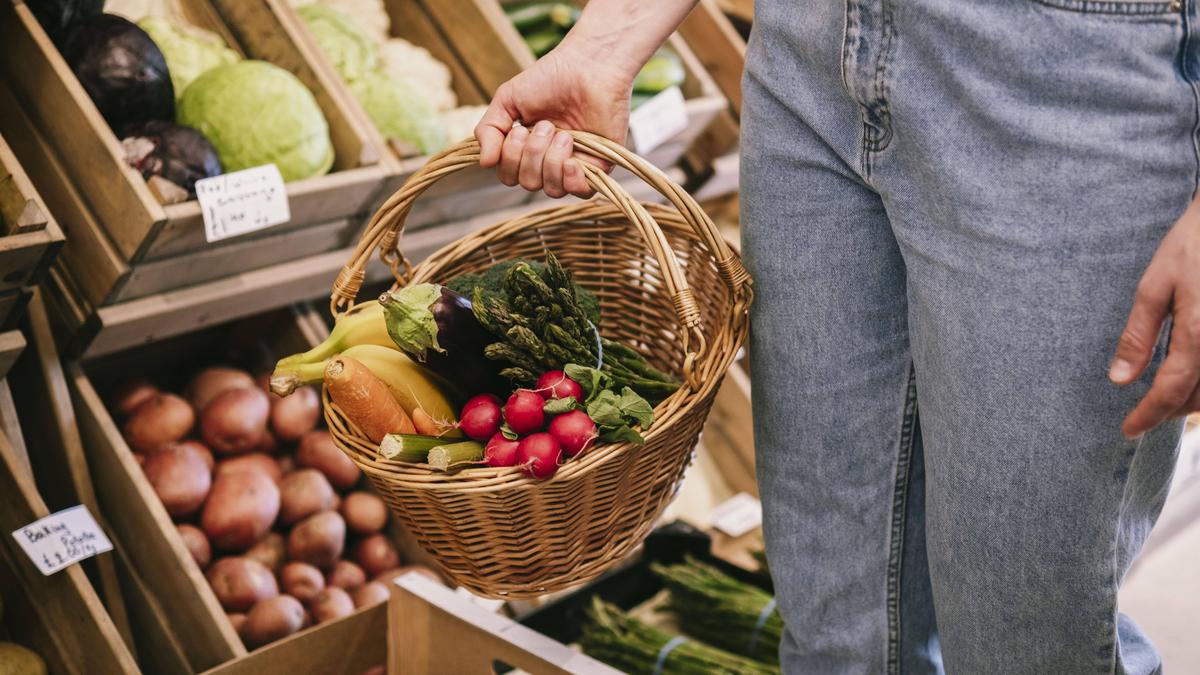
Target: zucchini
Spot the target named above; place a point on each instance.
(663, 70)
(454, 455)
(543, 41)
(409, 447)
(527, 16)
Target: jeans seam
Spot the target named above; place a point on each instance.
(1116, 581)
(899, 507)
(1118, 7)
(1185, 70)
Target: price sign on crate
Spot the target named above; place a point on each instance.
(242, 201)
(654, 122)
(62, 539)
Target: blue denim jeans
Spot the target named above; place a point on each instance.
(947, 205)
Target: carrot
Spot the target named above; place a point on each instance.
(426, 424)
(365, 399)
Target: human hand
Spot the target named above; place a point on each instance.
(1171, 284)
(569, 88)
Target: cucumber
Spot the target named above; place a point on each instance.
(527, 17)
(663, 70)
(564, 16)
(543, 41)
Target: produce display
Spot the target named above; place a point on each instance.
(544, 24)
(404, 90)
(634, 646)
(266, 505)
(184, 104)
(515, 351)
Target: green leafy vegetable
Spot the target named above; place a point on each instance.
(558, 406)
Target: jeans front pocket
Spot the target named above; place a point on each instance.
(1140, 7)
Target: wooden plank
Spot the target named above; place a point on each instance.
(20, 207)
(12, 343)
(411, 21)
(45, 406)
(433, 630)
(88, 253)
(10, 426)
(25, 257)
(12, 303)
(53, 97)
(719, 47)
(347, 646)
(136, 515)
(740, 9)
(64, 618)
(729, 432)
(236, 257)
(492, 48)
(159, 650)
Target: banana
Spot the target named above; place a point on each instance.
(411, 385)
(362, 324)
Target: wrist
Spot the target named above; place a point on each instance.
(603, 52)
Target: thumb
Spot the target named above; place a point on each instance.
(495, 124)
(1136, 346)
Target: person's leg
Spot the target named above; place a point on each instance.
(1037, 156)
(835, 421)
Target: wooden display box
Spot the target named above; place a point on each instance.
(457, 197)
(29, 236)
(176, 600)
(126, 244)
(58, 616)
(498, 53)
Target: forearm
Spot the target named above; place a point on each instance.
(625, 33)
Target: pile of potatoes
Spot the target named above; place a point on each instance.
(264, 501)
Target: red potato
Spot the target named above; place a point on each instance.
(161, 419)
(267, 444)
(240, 510)
(294, 415)
(202, 449)
(255, 461)
(210, 383)
(272, 619)
(376, 554)
(130, 395)
(303, 493)
(301, 580)
(316, 450)
(287, 464)
(239, 583)
(234, 422)
(179, 477)
(371, 593)
(331, 603)
(364, 512)
(237, 620)
(347, 575)
(318, 540)
(196, 543)
(271, 551)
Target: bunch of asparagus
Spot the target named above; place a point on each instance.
(544, 327)
(717, 608)
(635, 647)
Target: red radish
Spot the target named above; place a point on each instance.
(556, 384)
(500, 451)
(482, 398)
(538, 455)
(480, 418)
(523, 412)
(574, 431)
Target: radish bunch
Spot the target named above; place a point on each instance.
(535, 429)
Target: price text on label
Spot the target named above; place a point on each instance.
(62, 539)
(242, 201)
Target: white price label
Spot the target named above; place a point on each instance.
(62, 539)
(490, 604)
(737, 515)
(242, 201)
(657, 120)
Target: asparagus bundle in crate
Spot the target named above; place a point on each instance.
(715, 607)
(624, 642)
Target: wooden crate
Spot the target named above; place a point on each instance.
(58, 616)
(712, 161)
(171, 595)
(85, 157)
(29, 236)
(498, 53)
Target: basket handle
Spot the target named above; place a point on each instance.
(383, 232)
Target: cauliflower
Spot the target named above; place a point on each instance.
(414, 65)
(370, 15)
(460, 122)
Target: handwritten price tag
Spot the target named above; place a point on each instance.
(242, 201)
(62, 539)
(737, 515)
(654, 122)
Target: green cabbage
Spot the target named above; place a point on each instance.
(344, 42)
(399, 111)
(256, 113)
(189, 51)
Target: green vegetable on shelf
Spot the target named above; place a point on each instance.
(663, 70)
(190, 51)
(543, 40)
(533, 16)
(400, 112)
(623, 642)
(350, 49)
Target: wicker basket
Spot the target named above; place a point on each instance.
(668, 285)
